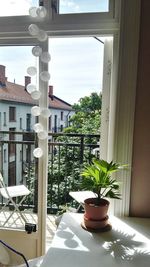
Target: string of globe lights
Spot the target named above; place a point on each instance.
(32, 89)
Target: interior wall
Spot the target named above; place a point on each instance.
(140, 186)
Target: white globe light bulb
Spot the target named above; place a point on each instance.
(45, 112)
(38, 152)
(45, 76)
(33, 29)
(36, 94)
(30, 88)
(41, 12)
(33, 12)
(36, 51)
(42, 36)
(38, 127)
(45, 57)
(35, 111)
(32, 71)
(42, 135)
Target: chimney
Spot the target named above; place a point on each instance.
(2, 76)
(27, 81)
(50, 93)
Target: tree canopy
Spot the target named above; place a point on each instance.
(86, 119)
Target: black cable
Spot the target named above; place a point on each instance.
(99, 40)
(15, 251)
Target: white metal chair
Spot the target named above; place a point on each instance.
(80, 196)
(10, 192)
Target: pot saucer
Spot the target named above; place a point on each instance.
(108, 227)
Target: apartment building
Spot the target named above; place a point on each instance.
(15, 116)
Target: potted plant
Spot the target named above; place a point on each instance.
(97, 177)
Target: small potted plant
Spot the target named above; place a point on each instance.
(97, 177)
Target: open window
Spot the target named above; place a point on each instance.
(14, 31)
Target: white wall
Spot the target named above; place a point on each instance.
(60, 122)
(21, 112)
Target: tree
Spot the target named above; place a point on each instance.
(67, 162)
(86, 119)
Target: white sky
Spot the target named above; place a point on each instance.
(75, 67)
(16, 7)
(76, 63)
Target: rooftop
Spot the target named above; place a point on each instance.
(17, 93)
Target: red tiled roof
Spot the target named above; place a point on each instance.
(58, 103)
(17, 93)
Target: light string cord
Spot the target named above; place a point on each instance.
(15, 251)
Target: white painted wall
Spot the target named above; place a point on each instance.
(60, 122)
(21, 112)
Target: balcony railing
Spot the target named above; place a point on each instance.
(67, 154)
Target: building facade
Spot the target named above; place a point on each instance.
(15, 116)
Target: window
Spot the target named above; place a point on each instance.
(83, 6)
(20, 123)
(80, 11)
(50, 123)
(12, 173)
(0, 121)
(5, 155)
(28, 154)
(12, 113)
(69, 121)
(62, 115)
(61, 127)
(55, 124)
(21, 155)
(28, 122)
(69, 24)
(4, 114)
(12, 146)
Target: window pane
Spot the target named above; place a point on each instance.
(12, 113)
(76, 68)
(83, 6)
(16, 7)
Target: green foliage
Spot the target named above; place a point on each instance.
(65, 166)
(87, 115)
(97, 178)
(89, 104)
(63, 176)
(30, 182)
(68, 155)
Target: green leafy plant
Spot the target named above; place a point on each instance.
(97, 177)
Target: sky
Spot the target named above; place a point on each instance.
(76, 65)
(78, 6)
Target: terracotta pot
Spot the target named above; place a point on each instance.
(94, 210)
(95, 224)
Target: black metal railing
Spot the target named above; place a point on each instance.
(67, 154)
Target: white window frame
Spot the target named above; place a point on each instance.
(95, 15)
(56, 24)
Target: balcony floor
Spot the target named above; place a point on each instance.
(18, 223)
